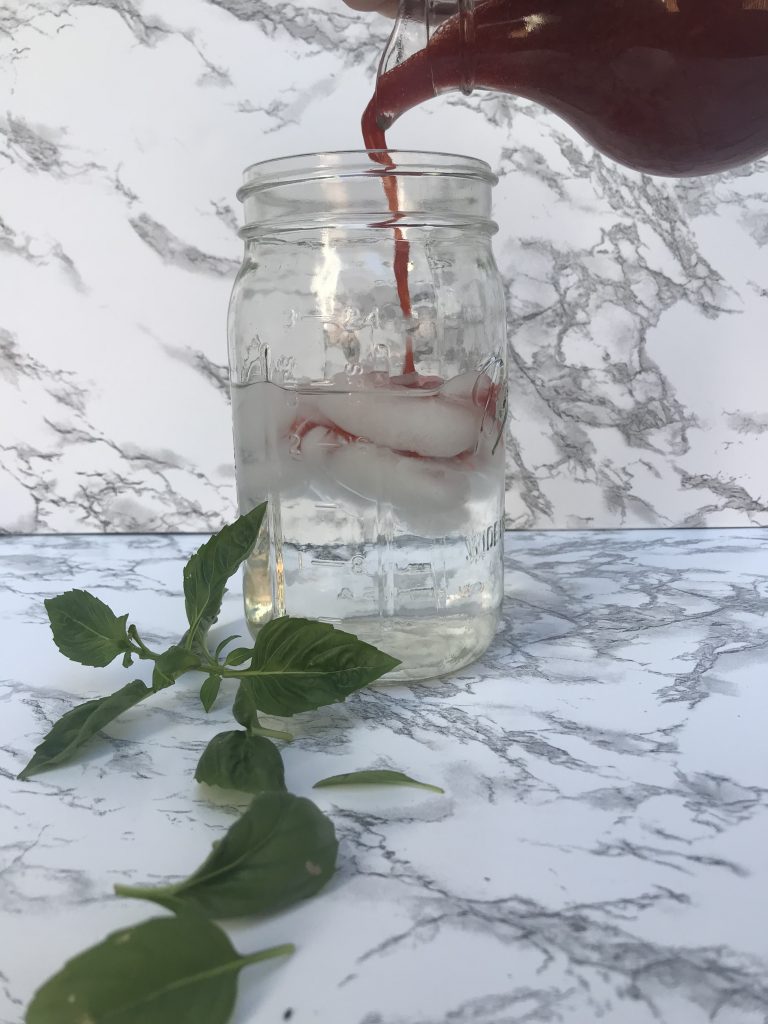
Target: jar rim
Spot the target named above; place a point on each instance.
(350, 163)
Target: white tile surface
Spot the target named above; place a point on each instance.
(599, 854)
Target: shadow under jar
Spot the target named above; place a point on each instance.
(374, 430)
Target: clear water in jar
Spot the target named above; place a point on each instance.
(385, 514)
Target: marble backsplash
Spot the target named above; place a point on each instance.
(637, 306)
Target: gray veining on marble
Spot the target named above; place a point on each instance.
(599, 854)
(637, 306)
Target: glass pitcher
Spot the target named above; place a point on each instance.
(672, 87)
(375, 434)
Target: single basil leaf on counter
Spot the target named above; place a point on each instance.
(165, 969)
(303, 665)
(207, 572)
(374, 777)
(85, 629)
(209, 691)
(281, 850)
(224, 642)
(77, 726)
(235, 760)
(171, 664)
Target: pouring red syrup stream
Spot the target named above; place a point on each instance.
(374, 139)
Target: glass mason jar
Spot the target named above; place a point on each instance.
(375, 431)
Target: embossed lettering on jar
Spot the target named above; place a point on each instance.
(376, 434)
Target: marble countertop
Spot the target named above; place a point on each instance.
(600, 851)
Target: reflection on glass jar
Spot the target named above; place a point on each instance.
(376, 437)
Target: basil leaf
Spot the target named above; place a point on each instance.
(209, 691)
(165, 969)
(85, 629)
(77, 726)
(171, 664)
(374, 777)
(207, 572)
(224, 642)
(281, 850)
(244, 708)
(235, 760)
(299, 665)
(239, 656)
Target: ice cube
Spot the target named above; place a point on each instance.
(317, 443)
(472, 386)
(262, 406)
(428, 496)
(429, 425)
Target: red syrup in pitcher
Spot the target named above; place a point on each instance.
(669, 87)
